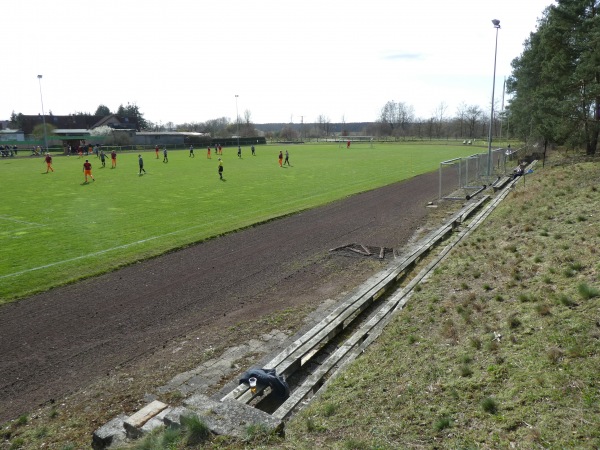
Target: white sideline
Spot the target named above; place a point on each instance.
(89, 255)
(22, 221)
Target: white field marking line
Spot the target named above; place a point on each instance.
(10, 219)
(101, 252)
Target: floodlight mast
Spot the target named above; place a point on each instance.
(237, 119)
(43, 113)
(496, 23)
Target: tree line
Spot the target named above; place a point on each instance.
(396, 120)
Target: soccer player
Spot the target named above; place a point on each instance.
(348, 144)
(192, 151)
(239, 151)
(49, 163)
(220, 169)
(103, 158)
(207, 152)
(280, 158)
(141, 163)
(253, 151)
(287, 158)
(113, 159)
(165, 159)
(156, 151)
(87, 170)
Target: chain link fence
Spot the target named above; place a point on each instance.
(459, 176)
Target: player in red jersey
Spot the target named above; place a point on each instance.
(87, 170)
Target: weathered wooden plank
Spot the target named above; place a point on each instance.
(133, 423)
(339, 248)
(501, 183)
(357, 301)
(474, 207)
(360, 252)
(290, 356)
(317, 377)
(363, 334)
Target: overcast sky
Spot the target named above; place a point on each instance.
(184, 61)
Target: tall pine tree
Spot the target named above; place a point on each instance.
(556, 80)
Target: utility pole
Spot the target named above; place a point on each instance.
(496, 23)
(43, 113)
(237, 119)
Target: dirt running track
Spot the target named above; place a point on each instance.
(62, 340)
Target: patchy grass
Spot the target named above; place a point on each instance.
(588, 292)
(195, 430)
(489, 405)
(442, 423)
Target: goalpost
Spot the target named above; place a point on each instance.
(355, 140)
(462, 174)
(450, 177)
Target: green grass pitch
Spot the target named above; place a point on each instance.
(54, 229)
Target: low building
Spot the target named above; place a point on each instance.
(75, 121)
(70, 137)
(116, 123)
(169, 137)
(11, 136)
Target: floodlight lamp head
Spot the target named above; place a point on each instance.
(496, 23)
(39, 76)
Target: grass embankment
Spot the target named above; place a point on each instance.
(499, 349)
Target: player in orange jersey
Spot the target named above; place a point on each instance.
(49, 163)
(87, 170)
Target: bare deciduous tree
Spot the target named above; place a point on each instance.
(473, 115)
(324, 124)
(395, 118)
(248, 129)
(440, 113)
(288, 133)
(461, 115)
